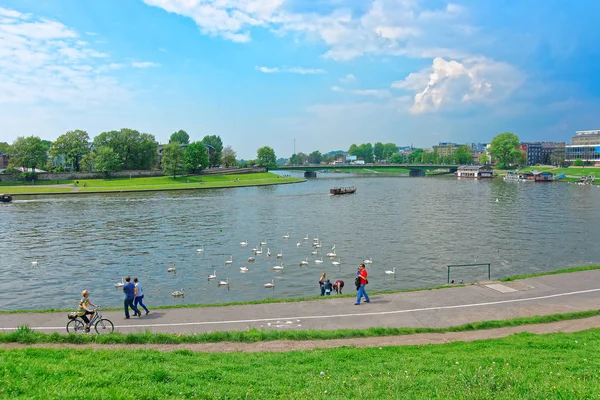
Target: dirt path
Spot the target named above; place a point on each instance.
(292, 345)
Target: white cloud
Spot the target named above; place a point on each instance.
(379, 93)
(43, 61)
(144, 64)
(388, 27)
(448, 83)
(291, 70)
(350, 78)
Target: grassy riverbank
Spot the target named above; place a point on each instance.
(519, 366)
(158, 183)
(571, 173)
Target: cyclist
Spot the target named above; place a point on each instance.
(83, 311)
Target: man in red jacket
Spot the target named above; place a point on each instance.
(362, 272)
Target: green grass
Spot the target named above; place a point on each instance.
(556, 272)
(154, 183)
(26, 335)
(523, 366)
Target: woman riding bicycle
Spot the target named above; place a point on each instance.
(83, 311)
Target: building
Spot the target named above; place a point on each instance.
(533, 152)
(553, 153)
(445, 149)
(585, 146)
(3, 160)
(478, 147)
(475, 171)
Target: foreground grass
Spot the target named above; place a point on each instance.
(152, 183)
(520, 366)
(25, 335)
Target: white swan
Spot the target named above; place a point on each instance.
(280, 254)
(120, 284)
(172, 269)
(316, 239)
(305, 237)
(392, 272)
(177, 293)
(337, 263)
(230, 261)
(263, 243)
(270, 285)
(298, 244)
(314, 252)
(34, 263)
(258, 252)
(304, 262)
(250, 259)
(332, 254)
(255, 249)
(200, 250)
(278, 267)
(213, 275)
(319, 261)
(244, 269)
(369, 261)
(244, 243)
(223, 283)
(268, 252)
(286, 236)
(319, 245)
(333, 248)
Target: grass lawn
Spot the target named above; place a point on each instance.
(151, 183)
(520, 366)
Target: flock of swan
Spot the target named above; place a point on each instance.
(258, 251)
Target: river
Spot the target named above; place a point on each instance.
(417, 225)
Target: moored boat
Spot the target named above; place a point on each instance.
(513, 176)
(5, 198)
(343, 190)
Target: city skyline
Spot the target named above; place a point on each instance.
(325, 73)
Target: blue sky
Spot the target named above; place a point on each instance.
(327, 73)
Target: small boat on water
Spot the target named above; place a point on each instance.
(343, 190)
(529, 176)
(5, 198)
(512, 176)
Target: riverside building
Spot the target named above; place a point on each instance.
(585, 146)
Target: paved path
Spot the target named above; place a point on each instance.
(552, 294)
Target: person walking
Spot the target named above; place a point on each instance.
(338, 285)
(129, 290)
(139, 296)
(322, 283)
(362, 277)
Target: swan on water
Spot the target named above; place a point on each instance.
(224, 283)
(213, 275)
(200, 250)
(177, 293)
(244, 269)
(278, 267)
(280, 254)
(319, 261)
(369, 261)
(286, 236)
(230, 261)
(332, 254)
(263, 243)
(304, 262)
(250, 259)
(306, 237)
(259, 252)
(270, 284)
(120, 284)
(298, 244)
(392, 272)
(268, 252)
(314, 252)
(171, 269)
(244, 243)
(336, 262)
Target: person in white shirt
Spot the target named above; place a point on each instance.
(139, 296)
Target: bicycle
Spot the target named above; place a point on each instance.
(101, 325)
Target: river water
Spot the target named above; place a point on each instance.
(417, 225)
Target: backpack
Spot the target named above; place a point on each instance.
(72, 315)
(357, 282)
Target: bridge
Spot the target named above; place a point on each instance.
(310, 170)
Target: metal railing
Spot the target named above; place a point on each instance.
(489, 266)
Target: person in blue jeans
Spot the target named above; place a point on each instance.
(362, 273)
(139, 296)
(129, 290)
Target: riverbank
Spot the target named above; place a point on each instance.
(572, 174)
(147, 184)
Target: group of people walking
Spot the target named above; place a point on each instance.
(361, 281)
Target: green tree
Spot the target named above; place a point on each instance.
(416, 156)
(88, 161)
(180, 136)
(293, 160)
(216, 150)
(228, 156)
(504, 149)
(463, 155)
(107, 160)
(378, 149)
(5, 148)
(72, 145)
(301, 158)
(195, 157)
(28, 152)
(578, 163)
(315, 157)
(136, 150)
(483, 159)
(388, 150)
(172, 159)
(397, 158)
(265, 157)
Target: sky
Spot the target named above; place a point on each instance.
(301, 75)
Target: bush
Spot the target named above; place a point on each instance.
(28, 176)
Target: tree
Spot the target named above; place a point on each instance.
(483, 159)
(504, 149)
(292, 160)
(265, 157)
(28, 152)
(180, 136)
(195, 157)
(578, 163)
(5, 148)
(397, 158)
(416, 156)
(378, 150)
(388, 150)
(136, 150)
(88, 161)
(215, 150)
(72, 145)
(301, 158)
(463, 155)
(228, 156)
(315, 157)
(172, 159)
(107, 160)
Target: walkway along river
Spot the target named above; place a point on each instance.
(53, 247)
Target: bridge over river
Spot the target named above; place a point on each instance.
(310, 170)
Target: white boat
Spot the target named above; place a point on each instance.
(513, 176)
